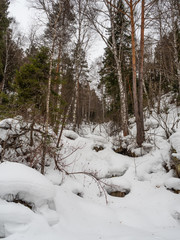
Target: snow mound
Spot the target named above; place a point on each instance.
(172, 183)
(13, 217)
(70, 134)
(27, 183)
(12, 212)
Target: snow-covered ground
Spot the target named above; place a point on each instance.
(79, 206)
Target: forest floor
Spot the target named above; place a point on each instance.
(106, 196)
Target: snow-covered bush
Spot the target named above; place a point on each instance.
(32, 189)
(23, 142)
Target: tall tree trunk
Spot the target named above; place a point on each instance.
(75, 102)
(123, 104)
(89, 104)
(139, 126)
(58, 72)
(160, 58)
(103, 104)
(58, 119)
(47, 106)
(141, 77)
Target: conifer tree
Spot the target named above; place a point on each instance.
(31, 83)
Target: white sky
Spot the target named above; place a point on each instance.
(21, 11)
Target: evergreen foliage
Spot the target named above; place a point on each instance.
(31, 82)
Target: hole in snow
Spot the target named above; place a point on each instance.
(79, 194)
(118, 193)
(117, 187)
(17, 199)
(98, 148)
(69, 137)
(124, 151)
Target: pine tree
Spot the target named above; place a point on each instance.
(31, 83)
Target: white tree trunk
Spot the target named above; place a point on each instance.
(75, 101)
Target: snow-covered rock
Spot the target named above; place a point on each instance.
(70, 134)
(173, 183)
(29, 184)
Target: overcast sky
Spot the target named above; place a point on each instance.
(22, 13)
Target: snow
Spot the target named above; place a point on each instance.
(79, 206)
(30, 185)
